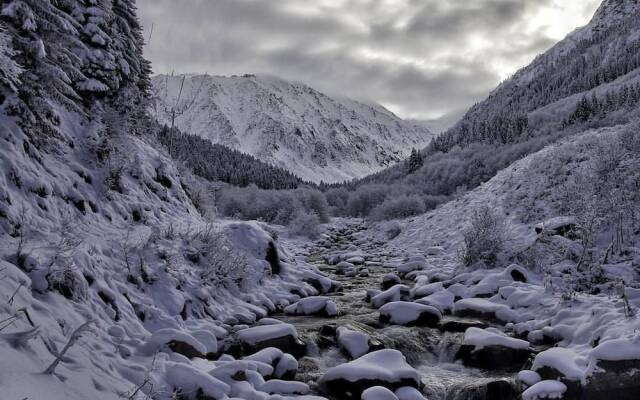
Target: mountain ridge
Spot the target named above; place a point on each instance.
(288, 124)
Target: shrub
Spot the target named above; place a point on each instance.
(398, 207)
(392, 230)
(365, 199)
(274, 206)
(305, 224)
(484, 238)
(222, 265)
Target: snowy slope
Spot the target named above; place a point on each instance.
(587, 61)
(106, 263)
(290, 125)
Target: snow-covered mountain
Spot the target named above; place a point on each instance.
(602, 58)
(291, 125)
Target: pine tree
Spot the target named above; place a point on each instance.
(415, 161)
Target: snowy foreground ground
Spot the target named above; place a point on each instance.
(383, 311)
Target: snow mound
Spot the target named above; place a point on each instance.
(355, 343)
(408, 313)
(545, 390)
(386, 368)
(480, 338)
(378, 393)
(315, 305)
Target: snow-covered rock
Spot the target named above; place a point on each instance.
(560, 362)
(492, 349)
(386, 368)
(482, 308)
(276, 386)
(395, 293)
(284, 365)
(408, 313)
(545, 390)
(409, 393)
(281, 336)
(378, 393)
(389, 280)
(316, 305)
(354, 343)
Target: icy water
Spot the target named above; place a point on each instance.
(428, 350)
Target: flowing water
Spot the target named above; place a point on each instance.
(430, 351)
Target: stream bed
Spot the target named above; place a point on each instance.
(430, 351)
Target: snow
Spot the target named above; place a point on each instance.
(403, 312)
(566, 361)
(529, 377)
(384, 365)
(442, 300)
(501, 311)
(164, 336)
(545, 390)
(190, 379)
(409, 393)
(395, 293)
(480, 338)
(617, 350)
(284, 387)
(313, 305)
(378, 393)
(290, 125)
(353, 342)
(261, 333)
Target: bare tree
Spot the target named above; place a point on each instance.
(173, 108)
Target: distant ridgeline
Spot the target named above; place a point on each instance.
(218, 163)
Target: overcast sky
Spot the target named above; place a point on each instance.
(419, 58)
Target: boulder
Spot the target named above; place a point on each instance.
(485, 389)
(378, 393)
(280, 336)
(491, 349)
(389, 281)
(410, 314)
(460, 325)
(387, 368)
(395, 293)
(315, 305)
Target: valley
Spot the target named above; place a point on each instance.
(207, 237)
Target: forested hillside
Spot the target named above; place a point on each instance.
(590, 79)
(218, 163)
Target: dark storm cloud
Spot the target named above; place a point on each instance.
(419, 57)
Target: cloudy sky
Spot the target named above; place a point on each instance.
(419, 58)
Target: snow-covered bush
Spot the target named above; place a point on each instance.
(68, 282)
(305, 224)
(276, 206)
(222, 264)
(10, 70)
(484, 237)
(314, 201)
(398, 207)
(365, 199)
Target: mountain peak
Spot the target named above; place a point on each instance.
(289, 124)
(611, 10)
